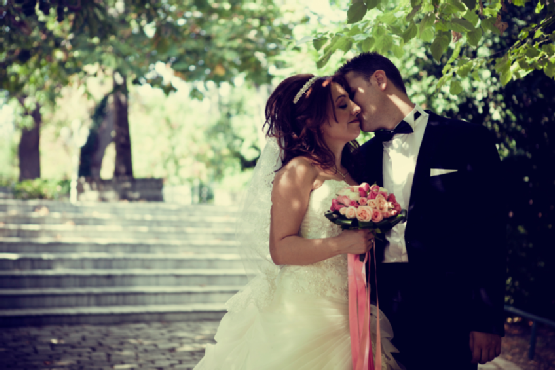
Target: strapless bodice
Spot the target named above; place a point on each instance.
(326, 278)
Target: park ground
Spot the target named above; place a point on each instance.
(170, 345)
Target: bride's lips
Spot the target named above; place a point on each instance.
(355, 120)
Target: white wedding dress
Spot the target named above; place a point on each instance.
(304, 322)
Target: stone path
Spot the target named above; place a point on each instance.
(129, 346)
(156, 345)
(499, 364)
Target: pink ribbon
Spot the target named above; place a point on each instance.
(359, 316)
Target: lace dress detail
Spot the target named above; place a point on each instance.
(326, 278)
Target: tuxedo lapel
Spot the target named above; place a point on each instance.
(376, 158)
(422, 170)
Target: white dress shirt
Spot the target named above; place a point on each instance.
(399, 162)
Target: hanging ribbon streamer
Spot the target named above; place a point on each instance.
(359, 316)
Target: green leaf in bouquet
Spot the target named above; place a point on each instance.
(383, 224)
(365, 224)
(332, 216)
(343, 222)
(401, 217)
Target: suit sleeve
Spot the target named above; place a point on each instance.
(488, 272)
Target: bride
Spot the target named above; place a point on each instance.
(293, 313)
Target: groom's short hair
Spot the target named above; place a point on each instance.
(365, 64)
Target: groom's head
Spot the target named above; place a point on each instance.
(374, 82)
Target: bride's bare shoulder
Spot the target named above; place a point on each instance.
(299, 170)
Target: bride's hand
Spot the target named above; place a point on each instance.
(356, 241)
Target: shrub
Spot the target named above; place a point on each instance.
(41, 189)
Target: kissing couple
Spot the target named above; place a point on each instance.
(441, 273)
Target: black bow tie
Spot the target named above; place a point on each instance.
(402, 128)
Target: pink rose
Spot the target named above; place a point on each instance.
(383, 193)
(394, 212)
(351, 212)
(344, 200)
(391, 198)
(386, 214)
(364, 213)
(372, 203)
(335, 205)
(382, 204)
(353, 203)
(376, 216)
(343, 210)
(380, 198)
(364, 189)
(372, 195)
(374, 188)
(363, 201)
(397, 207)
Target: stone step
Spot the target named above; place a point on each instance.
(6, 192)
(113, 278)
(110, 314)
(46, 206)
(103, 261)
(127, 246)
(113, 296)
(69, 218)
(118, 232)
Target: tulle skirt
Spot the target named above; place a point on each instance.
(293, 333)
(296, 331)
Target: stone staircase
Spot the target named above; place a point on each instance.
(102, 263)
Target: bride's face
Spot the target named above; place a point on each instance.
(344, 125)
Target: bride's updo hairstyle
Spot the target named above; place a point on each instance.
(296, 126)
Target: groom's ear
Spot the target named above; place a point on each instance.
(381, 79)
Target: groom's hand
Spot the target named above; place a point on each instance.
(484, 347)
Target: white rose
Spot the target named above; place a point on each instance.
(353, 195)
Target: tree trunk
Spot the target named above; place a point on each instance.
(29, 149)
(122, 139)
(104, 139)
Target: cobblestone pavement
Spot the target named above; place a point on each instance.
(169, 345)
(172, 345)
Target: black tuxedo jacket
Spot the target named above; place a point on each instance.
(455, 235)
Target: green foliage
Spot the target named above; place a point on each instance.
(386, 28)
(41, 189)
(7, 182)
(183, 140)
(201, 41)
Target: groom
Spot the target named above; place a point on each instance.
(441, 275)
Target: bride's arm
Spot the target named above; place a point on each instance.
(290, 196)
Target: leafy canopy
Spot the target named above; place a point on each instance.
(201, 40)
(386, 27)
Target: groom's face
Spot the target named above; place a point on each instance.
(366, 95)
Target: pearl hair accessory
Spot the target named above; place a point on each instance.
(304, 89)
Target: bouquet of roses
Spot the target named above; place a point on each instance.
(366, 207)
